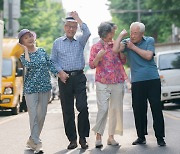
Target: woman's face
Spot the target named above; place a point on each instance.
(28, 39)
(109, 36)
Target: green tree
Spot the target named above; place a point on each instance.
(158, 20)
(43, 17)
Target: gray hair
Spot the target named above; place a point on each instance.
(140, 25)
(105, 28)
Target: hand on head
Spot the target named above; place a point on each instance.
(23, 46)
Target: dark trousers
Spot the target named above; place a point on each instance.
(142, 92)
(74, 89)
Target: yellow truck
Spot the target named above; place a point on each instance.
(12, 76)
(1, 40)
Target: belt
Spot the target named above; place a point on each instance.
(73, 73)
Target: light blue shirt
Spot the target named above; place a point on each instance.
(142, 69)
(37, 77)
(68, 54)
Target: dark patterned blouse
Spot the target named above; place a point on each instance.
(37, 76)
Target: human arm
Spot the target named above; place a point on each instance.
(96, 56)
(57, 63)
(84, 28)
(75, 15)
(25, 52)
(118, 46)
(55, 56)
(147, 53)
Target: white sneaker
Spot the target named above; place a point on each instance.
(112, 142)
(38, 149)
(98, 144)
(30, 144)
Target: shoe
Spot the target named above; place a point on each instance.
(83, 143)
(38, 152)
(139, 141)
(112, 142)
(98, 144)
(161, 142)
(38, 149)
(30, 144)
(72, 145)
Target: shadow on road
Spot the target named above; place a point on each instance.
(74, 151)
(171, 106)
(5, 113)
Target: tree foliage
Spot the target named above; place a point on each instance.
(158, 16)
(43, 17)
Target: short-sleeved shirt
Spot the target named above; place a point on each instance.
(142, 69)
(68, 54)
(110, 69)
(37, 77)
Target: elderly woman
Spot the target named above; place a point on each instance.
(110, 77)
(37, 85)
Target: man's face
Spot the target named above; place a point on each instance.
(135, 34)
(70, 29)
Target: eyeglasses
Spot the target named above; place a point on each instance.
(69, 27)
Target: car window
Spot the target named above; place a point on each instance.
(7, 67)
(169, 61)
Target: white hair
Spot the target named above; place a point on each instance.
(140, 25)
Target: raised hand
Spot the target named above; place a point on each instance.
(100, 54)
(123, 33)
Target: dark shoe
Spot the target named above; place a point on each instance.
(139, 141)
(161, 142)
(72, 145)
(83, 143)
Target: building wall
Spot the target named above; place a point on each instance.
(167, 46)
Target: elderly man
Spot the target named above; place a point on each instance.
(67, 55)
(145, 80)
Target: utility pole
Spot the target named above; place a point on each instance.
(10, 17)
(138, 11)
(12, 14)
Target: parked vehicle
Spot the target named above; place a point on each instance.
(168, 63)
(12, 76)
(1, 40)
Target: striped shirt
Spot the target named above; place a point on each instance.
(68, 54)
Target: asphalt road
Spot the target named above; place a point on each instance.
(14, 132)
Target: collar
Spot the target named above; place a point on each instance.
(143, 39)
(65, 37)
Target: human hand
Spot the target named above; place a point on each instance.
(63, 76)
(128, 84)
(123, 33)
(75, 15)
(130, 45)
(122, 46)
(23, 46)
(100, 54)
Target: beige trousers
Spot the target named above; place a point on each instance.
(110, 104)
